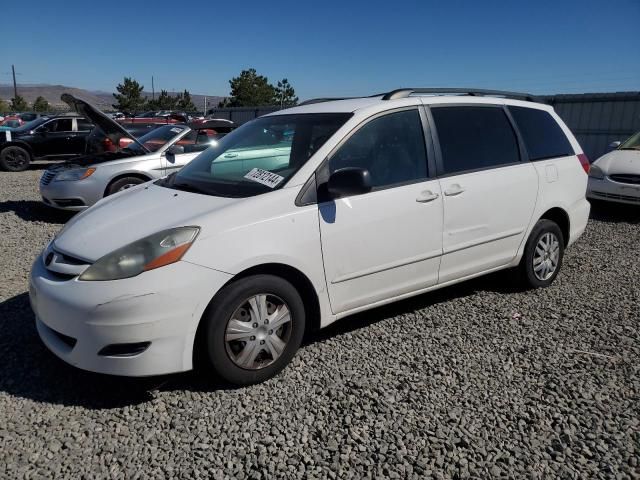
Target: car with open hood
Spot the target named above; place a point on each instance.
(121, 160)
(615, 177)
(305, 216)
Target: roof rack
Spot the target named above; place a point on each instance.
(474, 92)
(321, 100)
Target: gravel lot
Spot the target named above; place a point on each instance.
(478, 380)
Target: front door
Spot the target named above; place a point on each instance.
(489, 192)
(388, 242)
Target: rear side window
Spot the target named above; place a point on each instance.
(542, 135)
(473, 138)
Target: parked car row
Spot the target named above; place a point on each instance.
(82, 181)
(295, 220)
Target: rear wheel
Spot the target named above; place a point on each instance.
(543, 254)
(123, 184)
(14, 159)
(252, 329)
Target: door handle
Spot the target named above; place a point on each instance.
(231, 155)
(453, 190)
(427, 196)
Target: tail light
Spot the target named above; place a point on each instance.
(584, 161)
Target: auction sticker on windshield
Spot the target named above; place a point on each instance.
(176, 130)
(264, 177)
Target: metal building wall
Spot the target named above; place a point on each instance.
(597, 119)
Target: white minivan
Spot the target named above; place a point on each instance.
(334, 207)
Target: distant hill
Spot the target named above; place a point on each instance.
(100, 99)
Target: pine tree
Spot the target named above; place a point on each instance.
(41, 104)
(129, 97)
(19, 104)
(250, 89)
(285, 95)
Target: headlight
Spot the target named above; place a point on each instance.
(596, 172)
(74, 174)
(157, 250)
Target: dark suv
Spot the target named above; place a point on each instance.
(45, 137)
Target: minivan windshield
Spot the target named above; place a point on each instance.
(156, 138)
(633, 143)
(259, 156)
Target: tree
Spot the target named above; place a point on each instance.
(285, 95)
(40, 104)
(249, 90)
(129, 97)
(19, 104)
(4, 106)
(184, 102)
(164, 101)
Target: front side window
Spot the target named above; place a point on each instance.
(59, 125)
(473, 138)
(542, 135)
(390, 147)
(259, 156)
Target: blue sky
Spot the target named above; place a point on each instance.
(326, 48)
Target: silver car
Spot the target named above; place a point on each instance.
(78, 184)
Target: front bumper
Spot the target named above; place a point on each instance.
(76, 319)
(71, 195)
(608, 190)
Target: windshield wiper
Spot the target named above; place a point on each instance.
(187, 187)
(629, 148)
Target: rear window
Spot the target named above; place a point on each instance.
(542, 135)
(473, 138)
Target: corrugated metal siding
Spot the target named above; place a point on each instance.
(596, 119)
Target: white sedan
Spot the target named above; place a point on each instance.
(615, 176)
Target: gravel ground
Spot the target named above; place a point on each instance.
(478, 380)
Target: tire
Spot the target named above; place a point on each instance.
(123, 184)
(540, 265)
(14, 159)
(231, 346)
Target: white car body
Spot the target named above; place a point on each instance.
(618, 178)
(353, 254)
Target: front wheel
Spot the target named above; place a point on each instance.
(253, 328)
(124, 184)
(543, 254)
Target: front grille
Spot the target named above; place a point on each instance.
(47, 176)
(624, 178)
(615, 196)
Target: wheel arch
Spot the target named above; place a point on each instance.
(139, 175)
(560, 217)
(299, 280)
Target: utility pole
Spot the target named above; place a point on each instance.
(153, 89)
(205, 107)
(15, 87)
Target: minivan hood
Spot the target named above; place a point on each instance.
(106, 124)
(620, 162)
(133, 214)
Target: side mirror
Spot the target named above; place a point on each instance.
(613, 145)
(349, 181)
(175, 150)
(172, 151)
